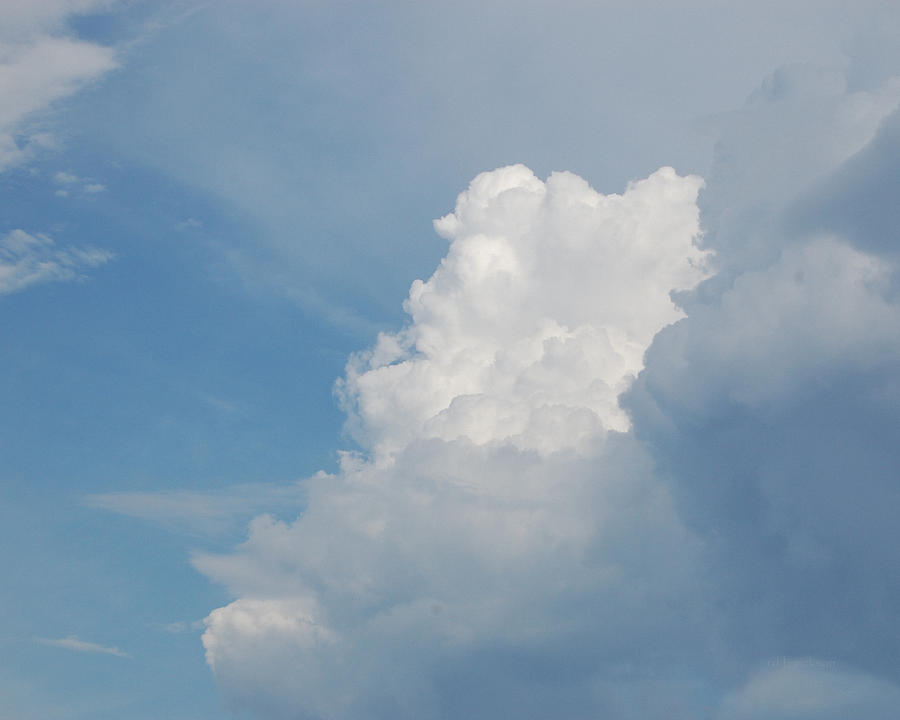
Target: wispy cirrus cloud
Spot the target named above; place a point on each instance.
(27, 260)
(206, 513)
(68, 181)
(72, 642)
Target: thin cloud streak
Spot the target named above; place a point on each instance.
(207, 513)
(72, 642)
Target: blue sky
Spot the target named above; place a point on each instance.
(626, 449)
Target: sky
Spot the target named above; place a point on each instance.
(438, 360)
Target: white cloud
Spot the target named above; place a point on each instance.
(38, 68)
(73, 643)
(29, 259)
(501, 345)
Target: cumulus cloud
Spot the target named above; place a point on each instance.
(73, 643)
(499, 347)
(578, 497)
(29, 259)
(483, 522)
(39, 67)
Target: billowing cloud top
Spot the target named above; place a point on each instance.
(537, 318)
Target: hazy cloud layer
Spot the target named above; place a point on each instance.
(373, 134)
(514, 544)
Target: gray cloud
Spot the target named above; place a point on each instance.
(859, 199)
(772, 411)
